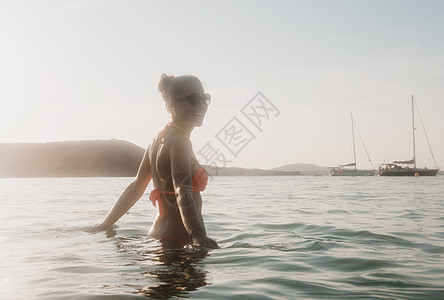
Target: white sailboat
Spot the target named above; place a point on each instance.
(409, 167)
(351, 168)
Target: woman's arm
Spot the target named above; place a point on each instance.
(129, 196)
(180, 155)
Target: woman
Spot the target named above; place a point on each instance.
(177, 176)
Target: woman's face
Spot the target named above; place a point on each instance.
(188, 110)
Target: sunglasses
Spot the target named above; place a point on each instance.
(195, 99)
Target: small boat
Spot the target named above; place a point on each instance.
(409, 167)
(344, 171)
(351, 169)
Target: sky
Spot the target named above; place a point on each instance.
(87, 70)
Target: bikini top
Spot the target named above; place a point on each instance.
(199, 179)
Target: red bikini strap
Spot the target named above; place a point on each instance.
(164, 131)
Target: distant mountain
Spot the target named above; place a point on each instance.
(107, 158)
(99, 158)
(304, 169)
(233, 171)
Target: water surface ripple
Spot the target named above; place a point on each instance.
(281, 238)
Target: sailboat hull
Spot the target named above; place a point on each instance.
(409, 172)
(351, 172)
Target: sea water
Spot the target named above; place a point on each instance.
(295, 237)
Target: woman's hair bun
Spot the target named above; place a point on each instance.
(165, 85)
(169, 86)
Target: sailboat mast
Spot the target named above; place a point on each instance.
(353, 135)
(413, 124)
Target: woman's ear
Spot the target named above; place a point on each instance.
(174, 110)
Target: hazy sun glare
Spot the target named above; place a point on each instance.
(73, 70)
